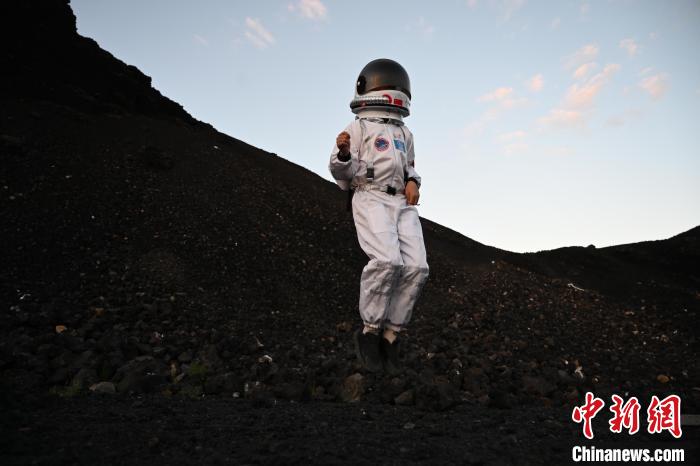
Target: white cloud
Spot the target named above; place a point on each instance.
(558, 151)
(616, 120)
(257, 34)
(562, 117)
(200, 40)
(583, 70)
(509, 7)
(579, 100)
(585, 54)
(475, 128)
(513, 142)
(623, 118)
(585, 9)
(581, 96)
(630, 46)
(504, 98)
(536, 83)
(515, 148)
(421, 26)
(556, 22)
(655, 85)
(314, 10)
(507, 137)
(425, 28)
(500, 100)
(471, 3)
(500, 93)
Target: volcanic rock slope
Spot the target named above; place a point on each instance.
(144, 251)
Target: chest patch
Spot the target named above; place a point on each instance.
(381, 144)
(399, 144)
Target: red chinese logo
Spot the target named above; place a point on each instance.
(587, 412)
(625, 415)
(661, 415)
(665, 415)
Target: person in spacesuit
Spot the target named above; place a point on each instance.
(374, 158)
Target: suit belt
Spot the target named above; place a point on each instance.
(378, 187)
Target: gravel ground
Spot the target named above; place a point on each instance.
(144, 429)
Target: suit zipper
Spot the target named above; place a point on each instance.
(393, 151)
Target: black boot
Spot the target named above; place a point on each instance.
(367, 350)
(390, 356)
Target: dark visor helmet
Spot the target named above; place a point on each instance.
(382, 84)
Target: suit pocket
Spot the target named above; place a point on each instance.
(409, 222)
(379, 220)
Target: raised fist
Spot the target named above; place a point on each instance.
(343, 142)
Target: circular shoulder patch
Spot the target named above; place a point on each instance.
(381, 144)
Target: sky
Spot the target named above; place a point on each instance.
(537, 124)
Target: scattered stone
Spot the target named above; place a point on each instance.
(228, 382)
(564, 376)
(103, 387)
(185, 356)
(295, 391)
(436, 396)
(85, 378)
(143, 374)
(405, 399)
(353, 388)
(537, 385)
(500, 399)
(344, 326)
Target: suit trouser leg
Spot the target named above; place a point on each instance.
(390, 233)
(414, 272)
(376, 224)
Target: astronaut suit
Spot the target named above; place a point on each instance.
(378, 165)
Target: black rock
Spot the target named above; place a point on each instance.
(537, 385)
(223, 383)
(185, 356)
(437, 396)
(141, 375)
(294, 391)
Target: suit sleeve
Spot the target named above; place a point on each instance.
(343, 171)
(411, 160)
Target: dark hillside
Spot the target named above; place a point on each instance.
(662, 273)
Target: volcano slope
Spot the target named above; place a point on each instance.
(171, 292)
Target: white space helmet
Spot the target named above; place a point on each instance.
(383, 85)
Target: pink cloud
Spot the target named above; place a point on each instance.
(583, 70)
(536, 83)
(655, 85)
(585, 54)
(562, 117)
(310, 9)
(257, 34)
(500, 93)
(630, 46)
(582, 96)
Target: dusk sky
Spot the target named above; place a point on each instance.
(537, 124)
